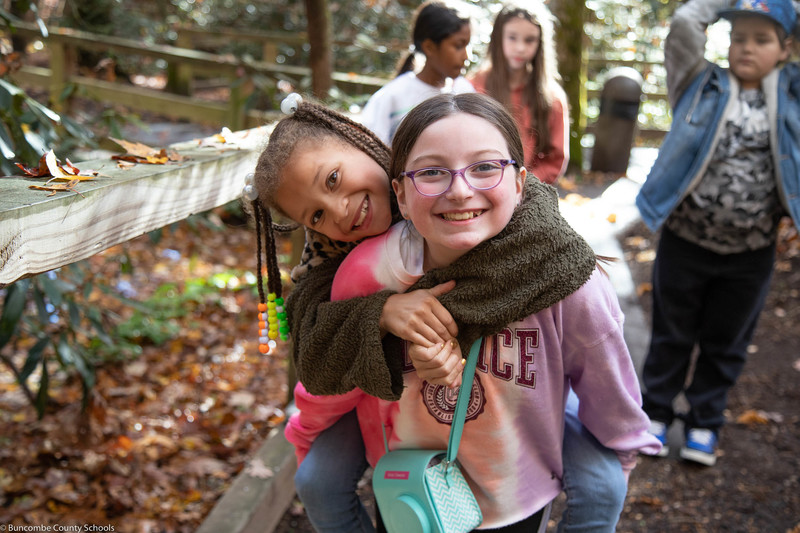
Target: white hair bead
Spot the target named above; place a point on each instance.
(290, 103)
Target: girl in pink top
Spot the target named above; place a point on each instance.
(521, 73)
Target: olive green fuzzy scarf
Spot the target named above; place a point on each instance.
(536, 261)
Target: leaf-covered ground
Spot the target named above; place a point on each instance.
(166, 432)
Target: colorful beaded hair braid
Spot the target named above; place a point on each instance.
(272, 321)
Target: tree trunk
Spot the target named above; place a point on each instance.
(572, 63)
(321, 54)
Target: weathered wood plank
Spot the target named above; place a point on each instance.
(39, 232)
(144, 99)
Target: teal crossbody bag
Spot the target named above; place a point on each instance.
(424, 491)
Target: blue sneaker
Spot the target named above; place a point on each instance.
(700, 446)
(659, 431)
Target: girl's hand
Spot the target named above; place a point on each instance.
(419, 317)
(440, 364)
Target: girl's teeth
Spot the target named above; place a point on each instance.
(461, 216)
(363, 215)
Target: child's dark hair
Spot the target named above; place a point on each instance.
(543, 78)
(444, 105)
(310, 124)
(433, 20)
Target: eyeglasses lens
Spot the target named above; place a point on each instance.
(482, 175)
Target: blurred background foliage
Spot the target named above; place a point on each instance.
(372, 35)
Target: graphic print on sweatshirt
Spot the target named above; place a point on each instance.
(440, 400)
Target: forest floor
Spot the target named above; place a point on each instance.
(167, 431)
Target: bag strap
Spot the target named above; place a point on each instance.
(464, 395)
(460, 412)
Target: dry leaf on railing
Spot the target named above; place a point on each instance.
(58, 187)
(50, 167)
(136, 152)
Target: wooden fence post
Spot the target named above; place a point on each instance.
(62, 66)
(269, 52)
(179, 75)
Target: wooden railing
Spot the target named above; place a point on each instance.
(62, 43)
(185, 64)
(39, 232)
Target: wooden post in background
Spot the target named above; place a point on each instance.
(321, 54)
(62, 65)
(179, 75)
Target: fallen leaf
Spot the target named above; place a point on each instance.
(58, 187)
(136, 149)
(753, 417)
(257, 468)
(55, 169)
(36, 172)
(576, 199)
(636, 241)
(643, 288)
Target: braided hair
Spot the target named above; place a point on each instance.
(309, 124)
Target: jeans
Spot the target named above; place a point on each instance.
(327, 479)
(593, 479)
(706, 299)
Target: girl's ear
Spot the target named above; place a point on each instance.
(400, 192)
(429, 47)
(522, 175)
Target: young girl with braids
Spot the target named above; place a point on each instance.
(332, 175)
(521, 72)
(442, 35)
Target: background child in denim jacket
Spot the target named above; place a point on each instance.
(726, 173)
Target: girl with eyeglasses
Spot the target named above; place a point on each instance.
(549, 318)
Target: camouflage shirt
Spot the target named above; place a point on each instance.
(735, 207)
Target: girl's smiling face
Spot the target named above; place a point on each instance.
(337, 190)
(461, 218)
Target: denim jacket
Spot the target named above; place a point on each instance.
(701, 108)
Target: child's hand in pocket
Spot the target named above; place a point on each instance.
(440, 364)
